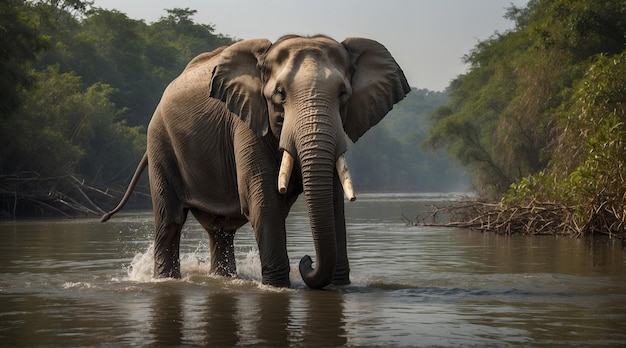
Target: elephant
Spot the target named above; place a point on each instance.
(245, 129)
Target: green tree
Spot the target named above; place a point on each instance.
(87, 98)
(186, 37)
(63, 130)
(588, 168)
(501, 120)
(114, 55)
(20, 42)
(136, 59)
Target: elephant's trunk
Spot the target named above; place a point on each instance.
(317, 146)
(317, 181)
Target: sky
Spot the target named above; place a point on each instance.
(428, 38)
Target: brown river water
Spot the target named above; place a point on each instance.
(84, 283)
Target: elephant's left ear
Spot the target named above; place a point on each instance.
(237, 82)
(377, 84)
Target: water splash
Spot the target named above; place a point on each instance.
(141, 267)
(195, 265)
(249, 267)
(78, 285)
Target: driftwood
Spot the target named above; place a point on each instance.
(533, 218)
(29, 194)
(603, 216)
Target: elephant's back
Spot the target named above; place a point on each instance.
(204, 58)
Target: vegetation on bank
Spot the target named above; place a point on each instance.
(79, 87)
(539, 120)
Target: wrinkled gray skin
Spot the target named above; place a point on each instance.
(216, 139)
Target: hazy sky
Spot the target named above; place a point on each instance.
(428, 38)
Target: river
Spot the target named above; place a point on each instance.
(80, 282)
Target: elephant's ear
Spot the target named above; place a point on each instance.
(377, 84)
(237, 82)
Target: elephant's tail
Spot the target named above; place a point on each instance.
(142, 165)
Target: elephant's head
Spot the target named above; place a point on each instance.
(309, 93)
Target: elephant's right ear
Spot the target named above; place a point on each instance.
(237, 82)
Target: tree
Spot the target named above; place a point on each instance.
(64, 130)
(588, 168)
(20, 43)
(85, 100)
(62, 137)
(545, 106)
(136, 59)
(188, 38)
(501, 121)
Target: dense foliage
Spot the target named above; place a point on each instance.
(20, 42)
(539, 116)
(79, 85)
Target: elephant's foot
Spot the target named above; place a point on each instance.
(279, 278)
(279, 283)
(223, 253)
(167, 270)
(224, 269)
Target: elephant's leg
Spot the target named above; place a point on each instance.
(266, 214)
(262, 204)
(271, 238)
(167, 251)
(223, 252)
(169, 217)
(342, 270)
(221, 231)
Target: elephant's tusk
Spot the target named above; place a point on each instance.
(344, 177)
(284, 173)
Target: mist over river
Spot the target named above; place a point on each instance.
(84, 283)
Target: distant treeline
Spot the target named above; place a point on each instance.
(391, 157)
(80, 84)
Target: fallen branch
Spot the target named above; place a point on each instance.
(536, 218)
(29, 194)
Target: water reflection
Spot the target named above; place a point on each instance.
(229, 318)
(168, 318)
(325, 322)
(221, 318)
(272, 325)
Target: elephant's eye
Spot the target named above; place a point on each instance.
(343, 95)
(279, 96)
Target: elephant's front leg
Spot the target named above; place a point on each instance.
(262, 204)
(223, 252)
(269, 232)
